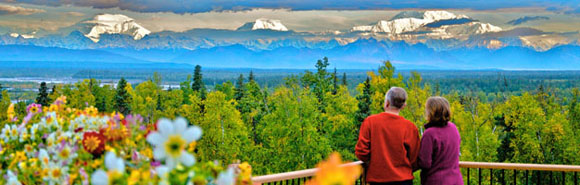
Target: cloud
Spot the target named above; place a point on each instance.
(574, 11)
(196, 6)
(525, 19)
(17, 10)
(76, 14)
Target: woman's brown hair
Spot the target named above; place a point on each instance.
(437, 111)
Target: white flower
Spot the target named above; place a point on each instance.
(23, 134)
(12, 179)
(114, 163)
(49, 121)
(100, 177)
(5, 135)
(226, 178)
(33, 131)
(56, 174)
(14, 132)
(115, 166)
(170, 142)
(44, 158)
(163, 173)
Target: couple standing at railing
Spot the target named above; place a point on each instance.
(390, 147)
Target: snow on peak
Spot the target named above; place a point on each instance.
(114, 24)
(410, 21)
(25, 36)
(269, 24)
(441, 15)
(399, 25)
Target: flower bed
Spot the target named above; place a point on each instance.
(61, 145)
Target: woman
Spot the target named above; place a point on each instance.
(439, 153)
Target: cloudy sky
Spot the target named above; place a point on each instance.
(26, 16)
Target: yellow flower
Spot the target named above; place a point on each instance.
(72, 178)
(96, 164)
(44, 172)
(10, 112)
(245, 177)
(331, 173)
(191, 147)
(92, 111)
(53, 108)
(134, 177)
(147, 152)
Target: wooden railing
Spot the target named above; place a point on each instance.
(295, 177)
(499, 169)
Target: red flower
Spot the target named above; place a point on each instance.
(94, 143)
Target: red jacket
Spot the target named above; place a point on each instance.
(389, 144)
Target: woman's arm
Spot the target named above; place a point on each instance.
(426, 151)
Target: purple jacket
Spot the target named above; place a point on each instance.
(439, 156)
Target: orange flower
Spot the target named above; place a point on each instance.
(94, 143)
(331, 173)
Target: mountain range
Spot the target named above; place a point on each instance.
(411, 39)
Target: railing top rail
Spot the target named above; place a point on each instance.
(462, 164)
(520, 166)
(293, 174)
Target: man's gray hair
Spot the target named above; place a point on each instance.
(396, 97)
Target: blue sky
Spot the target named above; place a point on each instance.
(196, 6)
(26, 16)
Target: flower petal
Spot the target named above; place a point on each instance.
(187, 159)
(162, 171)
(155, 138)
(120, 165)
(100, 177)
(179, 125)
(110, 160)
(171, 162)
(193, 133)
(159, 153)
(165, 127)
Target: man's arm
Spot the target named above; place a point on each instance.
(413, 143)
(363, 146)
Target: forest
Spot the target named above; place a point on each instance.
(299, 122)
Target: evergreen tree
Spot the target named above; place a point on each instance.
(122, 98)
(0, 91)
(239, 91)
(344, 79)
(574, 109)
(42, 97)
(364, 103)
(159, 105)
(251, 78)
(53, 90)
(319, 83)
(198, 85)
(335, 82)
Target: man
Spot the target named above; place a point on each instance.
(388, 143)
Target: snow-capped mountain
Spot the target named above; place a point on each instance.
(408, 21)
(440, 24)
(113, 24)
(264, 24)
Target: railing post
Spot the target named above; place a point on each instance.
(503, 177)
(515, 177)
(468, 182)
(538, 177)
(491, 176)
(479, 174)
(527, 177)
